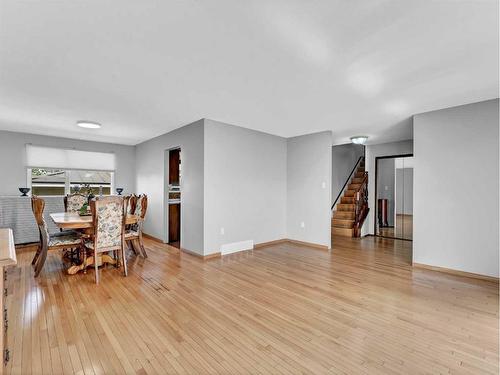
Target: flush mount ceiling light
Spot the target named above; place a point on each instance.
(359, 139)
(88, 124)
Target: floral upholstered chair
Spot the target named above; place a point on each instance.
(73, 202)
(57, 241)
(109, 228)
(133, 235)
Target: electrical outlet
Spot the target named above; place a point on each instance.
(222, 230)
(302, 224)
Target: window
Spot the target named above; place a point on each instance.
(99, 183)
(62, 182)
(47, 181)
(58, 171)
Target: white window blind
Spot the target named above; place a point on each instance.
(59, 158)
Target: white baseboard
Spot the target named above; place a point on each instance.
(234, 247)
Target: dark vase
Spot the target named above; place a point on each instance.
(119, 191)
(24, 191)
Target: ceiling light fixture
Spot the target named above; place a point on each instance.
(359, 139)
(88, 124)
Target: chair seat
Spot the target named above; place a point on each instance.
(131, 234)
(68, 239)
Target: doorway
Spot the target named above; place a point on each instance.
(174, 198)
(394, 197)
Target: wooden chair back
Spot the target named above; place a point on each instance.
(126, 202)
(108, 218)
(132, 202)
(38, 206)
(141, 206)
(73, 202)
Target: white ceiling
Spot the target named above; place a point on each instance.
(143, 68)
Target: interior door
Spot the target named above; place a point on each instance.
(404, 198)
(174, 197)
(174, 222)
(394, 197)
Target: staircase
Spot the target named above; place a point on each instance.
(352, 209)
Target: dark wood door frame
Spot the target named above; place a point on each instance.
(171, 154)
(375, 200)
(173, 166)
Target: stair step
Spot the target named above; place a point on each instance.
(343, 223)
(349, 200)
(349, 193)
(359, 174)
(353, 186)
(357, 180)
(345, 207)
(345, 232)
(343, 215)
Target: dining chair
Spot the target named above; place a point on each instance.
(57, 241)
(133, 236)
(108, 217)
(132, 202)
(126, 203)
(73, 202)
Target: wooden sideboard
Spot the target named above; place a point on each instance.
(7, 258)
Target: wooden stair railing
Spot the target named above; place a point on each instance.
(360, 159)
(360, 205)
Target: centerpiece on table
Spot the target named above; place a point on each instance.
(84, 210)
(86, 190)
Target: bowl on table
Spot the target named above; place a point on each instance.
(24, 191)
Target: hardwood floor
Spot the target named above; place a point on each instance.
(360, 309)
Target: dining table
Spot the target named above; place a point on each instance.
(84, 224)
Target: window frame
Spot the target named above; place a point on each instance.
(67, 182)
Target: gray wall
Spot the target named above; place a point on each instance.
(344, 157)
(256, 186)
(385, 186)
(372, 151)
(245, 186)
(13, 156)
(151, 179)
(404, 191)
(456, 220)
(309, 171)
